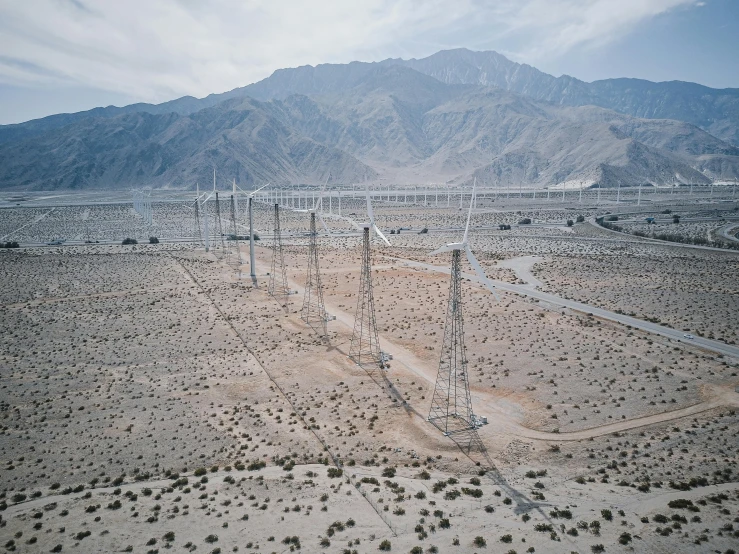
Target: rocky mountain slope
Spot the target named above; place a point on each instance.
(447, 118)
(240, 137)
(714, 110)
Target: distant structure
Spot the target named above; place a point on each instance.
(278, 287)
(451, 406)
(252, 256)
(197, 218)
(142, 204)
(235, 231)
(224, 252)
(365, 345)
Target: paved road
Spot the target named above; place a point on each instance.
(729, 232)
(526, 290)
(648, 240)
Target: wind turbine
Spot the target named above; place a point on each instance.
(370, 213)
(457, 247)
(317, 208)
(451, 405)
(365, 345)
(250, 197)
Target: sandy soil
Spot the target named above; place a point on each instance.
(152, 397)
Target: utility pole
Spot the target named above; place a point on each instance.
(252, 257)
(207, 233)
(235, 231)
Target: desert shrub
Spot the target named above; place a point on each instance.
(580, 219)
(334, 472)
(452, 494)
(474, 493)
(388, 472)
(385, 545)
(210, 539)
(129, 240)
(479, 541)
(570, 223)
(153, 240)
(525, 221)
(680, 504)
(607, 515)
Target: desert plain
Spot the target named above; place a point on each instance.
(155, 397)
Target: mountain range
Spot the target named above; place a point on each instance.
(446, 118)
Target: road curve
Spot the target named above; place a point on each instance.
(526, 290)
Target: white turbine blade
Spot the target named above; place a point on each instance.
(480, 273)
(256, 191)
(325, 227)
(445, 248)
(370, 213)
(469, 213)
(379, 233)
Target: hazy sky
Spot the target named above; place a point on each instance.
(70, 55)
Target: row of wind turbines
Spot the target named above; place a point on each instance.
(451, 407)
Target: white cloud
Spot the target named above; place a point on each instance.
(155, 50)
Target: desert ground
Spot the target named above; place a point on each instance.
(156, 397)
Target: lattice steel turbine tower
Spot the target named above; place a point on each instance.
(278, 287)
(451, 406)
(365, 345)
(314, 310)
